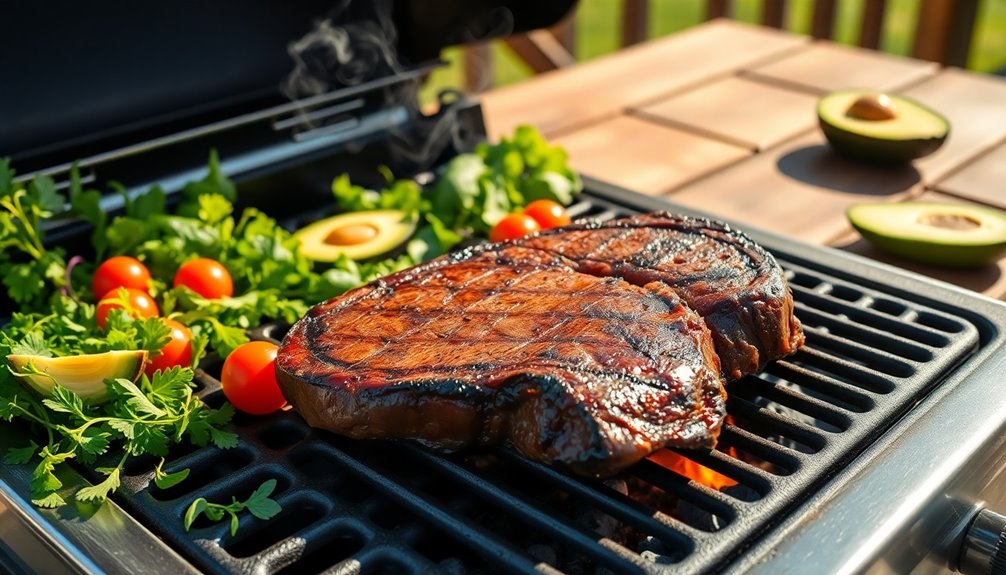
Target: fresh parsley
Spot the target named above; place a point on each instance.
(259, 504)
(139, 418)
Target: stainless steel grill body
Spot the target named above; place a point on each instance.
(867, 451)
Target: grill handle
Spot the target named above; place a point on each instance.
(984, 549)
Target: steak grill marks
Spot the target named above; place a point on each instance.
(733, 283)
(590, 373)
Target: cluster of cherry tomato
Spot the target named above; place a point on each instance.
(538, 215)
(248, 377)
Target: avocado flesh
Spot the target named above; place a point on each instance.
(954, 235)
(916, 131)
(372, 233)
(83, 374)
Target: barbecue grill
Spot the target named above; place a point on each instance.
(879, 446)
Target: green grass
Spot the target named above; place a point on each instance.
(598, 26)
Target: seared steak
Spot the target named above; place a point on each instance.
(510, 344)
(729, 280)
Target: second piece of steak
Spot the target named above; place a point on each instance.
(728, 279)
(509, 344)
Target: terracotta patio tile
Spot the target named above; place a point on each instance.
(744, 111)
(645, 156)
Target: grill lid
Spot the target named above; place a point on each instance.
(84, 77)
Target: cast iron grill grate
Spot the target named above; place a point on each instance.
(385, 507)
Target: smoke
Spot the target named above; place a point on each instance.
(333, 56)
(357, 42)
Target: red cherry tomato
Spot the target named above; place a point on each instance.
(512, 227)
(117, 272)
(249, 378)
(208, 278)
(548, 214)
(177, 352)
(137, 303)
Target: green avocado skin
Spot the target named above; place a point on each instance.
(876, 150)
(959, 256)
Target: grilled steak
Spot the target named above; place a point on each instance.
(509, 344)
(729, 280)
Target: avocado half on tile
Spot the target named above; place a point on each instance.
(880, 128)
(947, 234)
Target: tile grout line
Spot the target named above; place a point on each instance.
(672, 123)
(774, 81)
(707, 80)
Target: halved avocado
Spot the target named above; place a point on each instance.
(83, 374)
(957, 235)
(357, 235)
(880, 128)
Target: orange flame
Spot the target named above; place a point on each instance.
(690, 469)
(699, 473)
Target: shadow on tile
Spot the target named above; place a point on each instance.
(980, 279)
(817, 165)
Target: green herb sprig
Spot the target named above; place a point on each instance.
(259, 504)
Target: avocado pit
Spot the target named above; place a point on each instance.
(351, 235)
(872, 108)
(950, 221)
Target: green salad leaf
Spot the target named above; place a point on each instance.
(473, 192)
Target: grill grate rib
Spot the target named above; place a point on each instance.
(370, 506)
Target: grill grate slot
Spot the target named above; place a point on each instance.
(868, 319)
(853, 352)
(939, 322)
(782, 461)
(372, 507)
(782, 422)
(873, 338)
(667, 490)
(759, 391)
(824, 388)
(812, 359)
(329, 547)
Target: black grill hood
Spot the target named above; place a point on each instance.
(82, 77)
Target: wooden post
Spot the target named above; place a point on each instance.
(772, 13)
(717, 9)
(823, 22)
(635, 14)
(873, 23)
(944, 31)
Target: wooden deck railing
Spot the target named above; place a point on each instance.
(943, 33)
